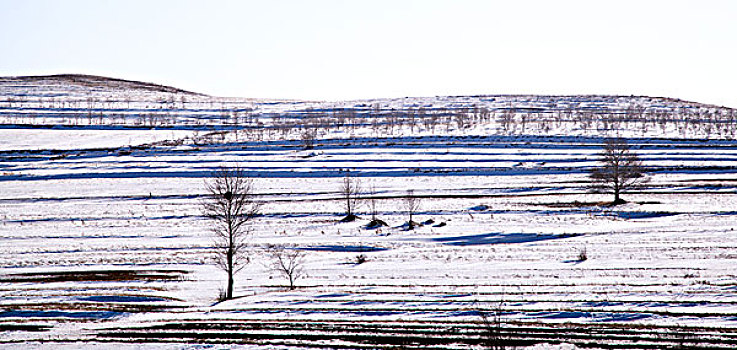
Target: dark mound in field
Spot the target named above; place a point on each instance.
(349, 218)
(410, 225)
(376, 223)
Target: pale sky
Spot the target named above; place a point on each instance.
(334, 50)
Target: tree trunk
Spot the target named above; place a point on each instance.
(617, 199)
(229, 293)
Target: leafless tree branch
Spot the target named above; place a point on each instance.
(621, 170)
(230, 206)
(287, 262)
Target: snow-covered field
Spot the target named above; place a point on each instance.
(103, 242)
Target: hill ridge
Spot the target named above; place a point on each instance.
(100, 81)
(89, 80)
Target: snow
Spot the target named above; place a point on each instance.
(118, 209)
(71, 139)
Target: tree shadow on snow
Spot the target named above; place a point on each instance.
(498, 238)
(345, 248)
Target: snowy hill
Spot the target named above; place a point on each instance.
(61, 84)
(103, 242)
(78, 100)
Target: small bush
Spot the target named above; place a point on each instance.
(494, 335)
(582, 254)
(360, 259)
(308, 139)
(222, 295)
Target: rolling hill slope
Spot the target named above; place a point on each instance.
(103, 241)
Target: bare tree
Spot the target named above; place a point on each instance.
(230, 205)
(460, 117)
(373, 203)
(349, 190)
(493, 332)
(308, 138)
(506, 120)
(411, 205)
(373, 208)
(622, 170)
(287, 262)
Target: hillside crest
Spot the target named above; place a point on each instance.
(96, 81)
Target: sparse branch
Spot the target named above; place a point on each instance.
(411, 205)
(621, 170)
(493, 333)
(230, 206)
(350, 190)
(288, 263)
(373, 208)
(308, 138)
(373, 204)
